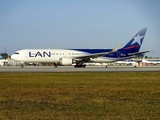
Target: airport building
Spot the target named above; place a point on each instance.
(6, 61)
(9, 62)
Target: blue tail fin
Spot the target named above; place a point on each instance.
(135, 43)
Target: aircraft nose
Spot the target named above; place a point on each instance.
(13, 56)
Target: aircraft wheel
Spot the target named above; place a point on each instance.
(84, 66)
(55, 65)
(22, 66)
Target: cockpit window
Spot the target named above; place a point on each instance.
(17, 53)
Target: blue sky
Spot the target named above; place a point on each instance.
(78, 24)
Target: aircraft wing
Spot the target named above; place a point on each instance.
(138, 53)
(98, 54)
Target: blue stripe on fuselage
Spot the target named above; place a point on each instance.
(93, 51)
(120, 53)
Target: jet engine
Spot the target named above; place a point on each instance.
(66, 61)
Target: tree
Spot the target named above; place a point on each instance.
(146, 57)
(4, 55)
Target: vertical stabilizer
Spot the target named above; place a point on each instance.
(135, 43)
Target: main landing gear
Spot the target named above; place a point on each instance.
(80, 66)
(55, 65)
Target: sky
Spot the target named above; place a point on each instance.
(27, 24)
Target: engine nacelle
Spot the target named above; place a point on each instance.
(66, 61)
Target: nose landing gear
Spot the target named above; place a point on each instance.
(22, 65)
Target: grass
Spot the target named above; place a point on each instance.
(80, 96)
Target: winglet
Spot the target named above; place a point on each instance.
(100, 54)
(115, 49)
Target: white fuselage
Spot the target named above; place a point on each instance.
(53, 55)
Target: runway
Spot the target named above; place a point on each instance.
(72, 69)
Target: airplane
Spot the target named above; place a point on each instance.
(81, 56)
(126, 62)
(151, 62)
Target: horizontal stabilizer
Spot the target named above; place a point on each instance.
(138, 53)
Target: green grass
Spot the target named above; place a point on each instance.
(80, 96)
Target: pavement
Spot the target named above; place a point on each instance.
(87, 69)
